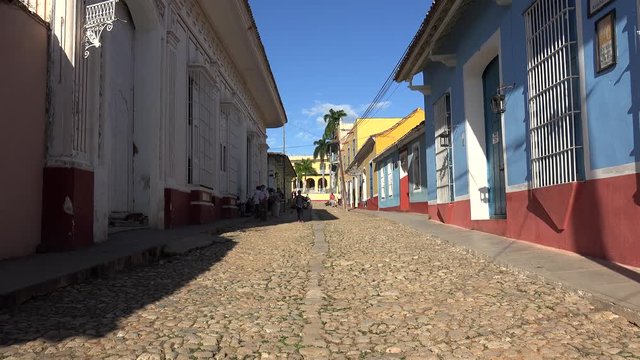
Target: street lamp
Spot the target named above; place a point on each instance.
(499, 100)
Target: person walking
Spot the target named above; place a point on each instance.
(299, 201)
(256, 201)
(264, 202)
(275, 207)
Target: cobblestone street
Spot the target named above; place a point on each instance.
(344, 286)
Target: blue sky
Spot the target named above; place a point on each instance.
(335, 54)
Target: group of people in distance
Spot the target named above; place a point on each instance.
(266, 201)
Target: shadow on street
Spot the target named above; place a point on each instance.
(95, 308)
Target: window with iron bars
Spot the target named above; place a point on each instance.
(383, 182)
(201, 120)
(444, 161)
(390, 178)
(555, 131)
(416, 167)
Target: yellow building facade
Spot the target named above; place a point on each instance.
(316, 187)
(352, 142)
(360, 170)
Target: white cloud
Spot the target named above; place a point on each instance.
(379, 105)
(301, 135)
(320, 109)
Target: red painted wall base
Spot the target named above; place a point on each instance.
(391, 208)
(229, 208)
(372, 204)
(176, 208)
(419, 207)
(67, 209)
(203, 208)
(197, 207)
(597, 218)
(404, 194)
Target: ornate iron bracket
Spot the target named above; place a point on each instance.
(99, 16)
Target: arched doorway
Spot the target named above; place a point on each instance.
(125, 79)
(322, 184)
(493, 137)
(118, 95)
(311, 184)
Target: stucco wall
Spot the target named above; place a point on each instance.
(419, 195)
(23, 77)
(613, 96)
(611, 116)
(596, 217)
(381, 166)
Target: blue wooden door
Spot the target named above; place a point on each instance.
(493, 136)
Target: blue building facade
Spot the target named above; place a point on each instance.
(401, 173)
(533, 127)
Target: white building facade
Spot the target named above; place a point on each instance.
(162, 125)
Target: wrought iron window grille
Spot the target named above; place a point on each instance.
(99, 16)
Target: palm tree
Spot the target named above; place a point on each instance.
(304, 167)
(331, 132)
(332, 119)
(323, 147)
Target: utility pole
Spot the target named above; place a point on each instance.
(284, 166)
(342, 187)
(342, 184)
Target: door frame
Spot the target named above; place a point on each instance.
(404, 180)
(474, 125)
(491, 157)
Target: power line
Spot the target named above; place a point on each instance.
(294, 147)
(304, 130)
(387, 99)
(385, 86)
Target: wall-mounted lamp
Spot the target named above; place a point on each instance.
(499, 100)
(98, 17)
(445, 138)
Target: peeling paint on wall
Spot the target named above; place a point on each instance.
(68, 206)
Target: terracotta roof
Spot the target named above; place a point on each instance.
(432, 22)
(372, 138)
(409, 136)
(284, 156)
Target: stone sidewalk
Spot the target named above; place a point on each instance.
(344, 286)
(41, 274)
(613, 286)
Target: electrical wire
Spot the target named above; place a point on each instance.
(386, 100)
(385, 86)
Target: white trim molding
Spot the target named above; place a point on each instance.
(474, 121)
(449, 60)
(613, 171)
(518, 187)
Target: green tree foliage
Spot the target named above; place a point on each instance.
(304, 168)
(322, 149)
(332, 119)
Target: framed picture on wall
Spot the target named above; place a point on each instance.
(596, 5)
(605, 42)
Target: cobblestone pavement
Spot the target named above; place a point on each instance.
(354, 288)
